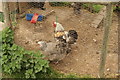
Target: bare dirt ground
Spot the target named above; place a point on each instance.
(85, 56)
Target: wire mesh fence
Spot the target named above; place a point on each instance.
(16, 8)
(24, 11)
(21, 7)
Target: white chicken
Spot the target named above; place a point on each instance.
(54, 51)
(58, 27)
(65, 36)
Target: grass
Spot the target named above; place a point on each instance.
(51, 73)
(115, 8)
(95, 8)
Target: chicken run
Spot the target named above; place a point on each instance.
(68, 39)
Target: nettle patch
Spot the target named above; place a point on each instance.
(16, 59)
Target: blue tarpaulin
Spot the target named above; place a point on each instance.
(29, 17)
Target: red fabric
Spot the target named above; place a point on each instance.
(34, 18)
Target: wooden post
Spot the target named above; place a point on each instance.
(91, 7)
(20, 9)
(6, 14)
(108, 21)
(16, 8)
(118, 13)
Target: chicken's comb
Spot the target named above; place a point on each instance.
(54, 25)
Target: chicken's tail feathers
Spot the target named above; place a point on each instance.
(73, 33)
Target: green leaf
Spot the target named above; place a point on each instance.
(31, 61)
(42, 62)
(44, 70)
(27, 65)
(29, 71)
(15, 58)
(33, 76)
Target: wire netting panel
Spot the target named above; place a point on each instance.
(35, 21)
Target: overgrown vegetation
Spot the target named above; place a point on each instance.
(60, 4)
(95, 8)
(16, 59)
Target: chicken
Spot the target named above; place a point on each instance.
(59, 31)
(69, 37)
(54, 51)
(59, 36)
(58, 27)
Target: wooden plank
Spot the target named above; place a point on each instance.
(107, 24)
(99, 18)
(103, 11)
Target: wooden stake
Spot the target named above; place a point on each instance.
(118, 13)
(91, 7)
(15, 14)
(108, 21)
(6, 14)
